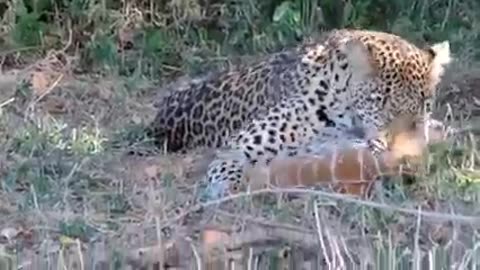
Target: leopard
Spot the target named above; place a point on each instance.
(346, 163)
(205, 111)
(354, 78)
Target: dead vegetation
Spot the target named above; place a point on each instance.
(134, 208)
(73, 196)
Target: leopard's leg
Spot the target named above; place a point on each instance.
(225, 174)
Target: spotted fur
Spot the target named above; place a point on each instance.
(347, 164)
(354, 78)
(207, 111)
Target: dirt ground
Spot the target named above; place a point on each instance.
(74, 196)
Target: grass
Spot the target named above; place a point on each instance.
(80, 78)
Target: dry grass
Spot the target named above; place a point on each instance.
(73, 196)
(71, 188)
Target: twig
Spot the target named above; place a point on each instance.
(269, 223)
(161, 259)
(52, 86)
(35, 202)
(80, 255)
(250, 258)
(70, 36)
(320, 235)
(6, 102)
(428, 214)
(195, 253)
(336, 251)
(262, 235)
(7, 52)
(61, 259)
(345, 249)
(30, 106)
(75, 168)
(416, 249)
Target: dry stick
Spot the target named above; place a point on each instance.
(7, 52)
(429, 214)
(256, 263)
(337, 251)
(320, 236)
(61, 259)
(466, 259)
(268, 223)
(76, 167)
(431, 261)
(70, 37)
(345, 249)
(80, 254)
(60, 77)
(35, 203)
(416, 250)
(474, 257)
(6, 102)
(250, 259)
(198, 259)
(49, 89)
(267, 230)
(255, 235)
(161, 259)
(331, 242)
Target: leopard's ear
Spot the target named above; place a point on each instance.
(440, 58)
(360, 60)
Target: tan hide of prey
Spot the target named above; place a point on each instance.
(350, 168)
